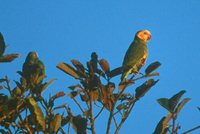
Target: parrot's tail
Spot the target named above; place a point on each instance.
(125, 75)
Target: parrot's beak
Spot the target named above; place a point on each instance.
(149, 37)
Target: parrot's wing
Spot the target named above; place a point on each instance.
(40, 67)
(135, 57)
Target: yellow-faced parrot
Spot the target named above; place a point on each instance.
(136, 54)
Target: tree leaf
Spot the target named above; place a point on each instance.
(68, 69)
(122, 106)
(57, 95)
(124, 85)
(95, 95)
(9, 57)
(181, 105)
(46, 85)
(84, 97)
(2, 80)
(163, 125)
(78, 65)
(74, 86)
(164, 102)
(61, 106)
(118, 71)
(56, 123)
(80, 68)
(105, 65)
(152, 67)
(80, 124)
(115, 72)
(144, 88)
(65, 120)
(73, 94)
(173, 101)
(36, 110)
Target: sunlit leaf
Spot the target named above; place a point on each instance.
(105, 65)
(56, 123)
(78, 65)
(36, 110)
(181, 105)
(152, 67)
(57, 95)
(68, 69)
(80, 68)
(144, 88)
(9, 57)
(173, 101)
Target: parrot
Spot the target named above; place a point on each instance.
(2, 45)
(136, 54)
(33, 70)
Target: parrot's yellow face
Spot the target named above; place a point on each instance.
(144, 35)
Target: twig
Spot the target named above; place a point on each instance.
(147, 75)
(112, 109)
(79, 105)
(115, 121)
(98, 105)
(110, 121)
(188, 131)
(173, 124)
(68, 129)
(8, 85)
(99, 113)
(124, 119)
(91, 115)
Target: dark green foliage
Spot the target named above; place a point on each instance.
(141, 90)
(174, 106)
(152, 67)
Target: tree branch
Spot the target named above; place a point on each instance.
(188, 131)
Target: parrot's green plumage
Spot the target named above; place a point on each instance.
(136, 54)
(2, 45)
(33, 70)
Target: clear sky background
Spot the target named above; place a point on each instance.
(63, 30)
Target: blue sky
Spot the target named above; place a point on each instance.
(64, 30)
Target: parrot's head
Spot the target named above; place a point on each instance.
(144, 35)
(32, 57)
